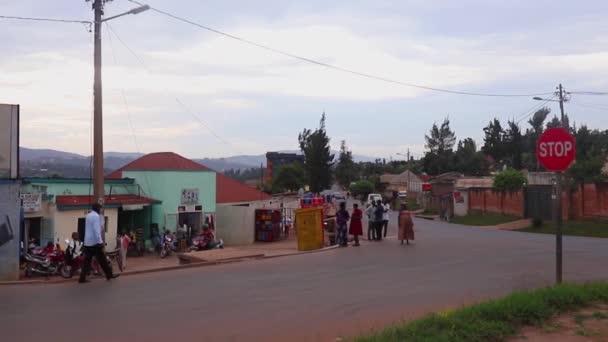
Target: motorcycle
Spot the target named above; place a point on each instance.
(46, 264)
(75, 263)
(168, 245)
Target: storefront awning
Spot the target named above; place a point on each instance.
(133, 202)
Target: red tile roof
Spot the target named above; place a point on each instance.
(233, 191)
(110, 200)
(160, 161)
(228, 190)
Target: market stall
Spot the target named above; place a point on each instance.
(268, 225)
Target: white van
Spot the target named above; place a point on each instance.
(374, 198)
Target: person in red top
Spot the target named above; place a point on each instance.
(356, 227)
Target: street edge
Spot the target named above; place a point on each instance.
(172, 268)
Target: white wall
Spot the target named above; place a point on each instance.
(66, 222)
(10, 204)
(235, 224)
(462, 209)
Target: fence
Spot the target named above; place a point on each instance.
(587, 201)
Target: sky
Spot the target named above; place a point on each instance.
(171, 86)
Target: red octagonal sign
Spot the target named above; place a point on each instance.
(555, 149)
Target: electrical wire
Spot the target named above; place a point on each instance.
(331, 66)
(588, 92)
(46, 19)
(126, 105)
(533, 111)
(596, 107)
(186, 108)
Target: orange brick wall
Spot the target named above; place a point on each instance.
(488, 201)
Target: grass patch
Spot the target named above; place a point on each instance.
(599, 315)
(495, 320)
(482, 220)
(430, 212)
(573, 228)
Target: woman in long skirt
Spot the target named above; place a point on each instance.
(356, 226)
(406, 225)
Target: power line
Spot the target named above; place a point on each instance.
(331, 66)
(46, 19)
(196, 117)
(533, 111)
(588, 92)
(596, 107)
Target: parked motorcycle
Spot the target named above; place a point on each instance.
(74, 263)
(167, 246)
(49, 264)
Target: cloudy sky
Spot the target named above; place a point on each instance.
(170, 86)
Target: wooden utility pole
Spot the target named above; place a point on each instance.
(558, 204)
(98, 181)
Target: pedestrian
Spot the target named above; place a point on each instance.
(406, 225)
(93, 245)
(378, 219)
(371, 228)
(385, 216)
(125, 241)
(342, 217)
(356, 227)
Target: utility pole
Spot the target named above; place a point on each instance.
(98, 181)
(408, 170)
(558, 204)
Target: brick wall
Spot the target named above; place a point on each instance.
(488, 201)
(589, 201)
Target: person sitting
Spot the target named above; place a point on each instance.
(209, 241)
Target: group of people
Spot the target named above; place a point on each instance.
(378, 214)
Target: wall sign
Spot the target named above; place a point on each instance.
(31, 202)
(190, 196)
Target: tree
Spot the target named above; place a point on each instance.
(361, 188)
(537, 123)
(318, 159)
(290, 177)
(556, 122)
(494, 140)
(509, 180)
(514, 145)
(468, 160)
(346, 170)
(589, 170)
(439, 143)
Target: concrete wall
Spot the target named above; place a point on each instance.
(10, 206)
(66, 222)
(236, 222)
(167, 186)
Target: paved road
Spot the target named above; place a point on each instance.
(312, 297)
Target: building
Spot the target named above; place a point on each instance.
(54, 208)
(187, 189)
(10, 203)
(274, 161)
(405, 181)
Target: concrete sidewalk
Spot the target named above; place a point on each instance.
(153, 263)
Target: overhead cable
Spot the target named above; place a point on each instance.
(331, 66)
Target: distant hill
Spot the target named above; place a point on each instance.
(47, 162)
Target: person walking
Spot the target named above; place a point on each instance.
(371, 228)
(385, 216)
(124, 247)
(356, 226)
(342, 217)
(93, 245)
(378, 219)
(406, 225)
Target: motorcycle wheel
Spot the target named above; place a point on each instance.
(28, 271)
(163, 253)
(67, 271)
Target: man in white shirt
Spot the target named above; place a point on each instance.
(385, 216)
(93, 245)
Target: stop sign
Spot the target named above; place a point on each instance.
(555, 149)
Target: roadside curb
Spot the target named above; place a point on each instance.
(171, 268)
